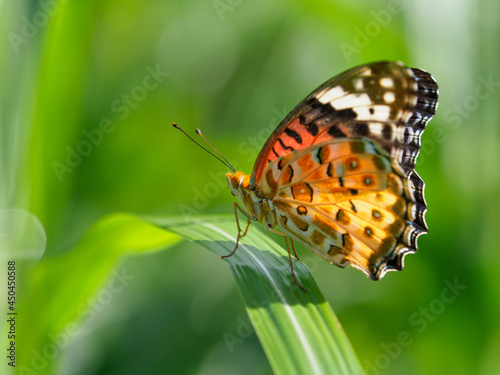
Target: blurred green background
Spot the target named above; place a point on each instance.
(89, 92)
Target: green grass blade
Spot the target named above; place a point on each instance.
(56, 291)
(298, 331)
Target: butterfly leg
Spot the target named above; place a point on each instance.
(290, 256)
(291, 263)
(246, 230)
(236, 206)
(293, 247)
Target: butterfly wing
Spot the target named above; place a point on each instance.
(344, 201)
(383, 101)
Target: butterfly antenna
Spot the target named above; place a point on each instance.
(198, 131)
(223, 160)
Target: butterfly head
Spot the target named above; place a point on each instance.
(237, 181)
(259, 208)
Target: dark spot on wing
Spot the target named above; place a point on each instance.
(334, 250)
(310, 191)
(353, 206)
(274, 152)
(347, 114)
(352, 163)
(387, 132)
(319, 155)
(399, 208)
(361, 129)
(342, 217)
(284, 146)
(301, 210)
(347, 242)
(283, 220)
(386, 245)
(293, 134)
(287, 174)
(368, 231)
(329, 170)
(312, 128)
(381, 163)
(299, 223)
(335, 132)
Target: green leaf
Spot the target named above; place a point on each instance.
(57, 292)
(299, 332)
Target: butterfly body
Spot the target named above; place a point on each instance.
(257, 207)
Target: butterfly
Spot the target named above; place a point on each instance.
(338, 173)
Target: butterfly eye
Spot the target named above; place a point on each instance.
(269, 225)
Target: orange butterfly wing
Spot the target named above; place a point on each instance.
(383, 101)
(343, 200)
(368, 121)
